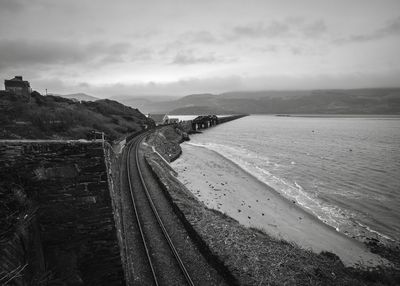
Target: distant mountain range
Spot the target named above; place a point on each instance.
(338, 101)
(79, 96)
(329, 101)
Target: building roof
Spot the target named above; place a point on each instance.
(17, 81)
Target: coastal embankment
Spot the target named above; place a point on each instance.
(205, 195)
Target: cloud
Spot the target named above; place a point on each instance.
(235, 83)
(188, 40)
(22, 6)
(180, 87)
(392, 28)
(291, 27)
(11, 6)
(189, 58)
(221, 84)
(315, 29)
(19, 52)
(198, 37)
(258, 30)
(268, 49)
(84, 85)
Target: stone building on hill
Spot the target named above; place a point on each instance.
(18, 86)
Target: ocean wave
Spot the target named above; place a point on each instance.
(255, 165)
(291, 191)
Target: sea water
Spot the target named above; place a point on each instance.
(343, 170)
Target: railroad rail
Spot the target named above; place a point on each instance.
(142, 202)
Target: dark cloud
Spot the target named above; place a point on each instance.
(22, 6)
(189, 58)
(392, 28)
(11, 6)
(20, 52)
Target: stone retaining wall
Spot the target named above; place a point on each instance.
(21, 255)
(68, 181)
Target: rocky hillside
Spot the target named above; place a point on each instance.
(54, 117)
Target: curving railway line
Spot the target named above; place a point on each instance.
(159, 226)
(162, 251)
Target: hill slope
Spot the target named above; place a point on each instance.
(352, 101)
(54, 117)
(148, 103)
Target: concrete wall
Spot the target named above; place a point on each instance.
(68, 181)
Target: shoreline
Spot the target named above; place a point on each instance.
(222, 185)
(375, 238)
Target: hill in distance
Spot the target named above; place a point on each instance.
(147, 103)
(79, 96)
(54, 117)
(338, 101)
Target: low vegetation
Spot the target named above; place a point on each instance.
(54, 117)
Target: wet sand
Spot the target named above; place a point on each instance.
(222, 185)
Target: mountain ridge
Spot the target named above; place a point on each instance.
(323, 101)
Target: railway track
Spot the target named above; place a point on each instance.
(165, 266)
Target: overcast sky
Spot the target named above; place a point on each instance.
(179, 47)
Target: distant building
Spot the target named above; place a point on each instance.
(18, 86)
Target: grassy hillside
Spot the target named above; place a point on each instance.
(54, 117)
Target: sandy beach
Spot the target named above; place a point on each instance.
(222, 185)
